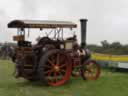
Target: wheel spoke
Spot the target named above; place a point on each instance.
(86, 73)
(87, 70)
(62, 70)
(87, 67)
(57, 59)
(90, 73)
(53, 59)
(94, 72)
(63, 65)
(51, 62)
(91, 64)
(48, 71)
(62, 59)
(55, 76)
(90, 67)
(60, 73)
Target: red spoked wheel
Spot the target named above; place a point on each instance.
(55, 68)
(90, 70)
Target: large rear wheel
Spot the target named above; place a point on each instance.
(90, 70)
(55, 68)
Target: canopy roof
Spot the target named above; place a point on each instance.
(40, 24)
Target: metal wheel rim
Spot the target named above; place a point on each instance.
(59, 75)
(91, 71)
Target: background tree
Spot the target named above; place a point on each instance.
(105, 44)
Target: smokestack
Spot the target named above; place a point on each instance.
(83, 32)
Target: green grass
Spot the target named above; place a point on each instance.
(109, 84)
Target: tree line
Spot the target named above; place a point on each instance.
(115, 48)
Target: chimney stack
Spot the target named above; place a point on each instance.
(83, 32)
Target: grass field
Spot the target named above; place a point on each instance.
(109, 84)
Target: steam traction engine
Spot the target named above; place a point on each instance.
(53, 59)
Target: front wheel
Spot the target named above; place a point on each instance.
(90, 70)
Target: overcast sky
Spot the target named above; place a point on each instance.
(107, 19)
